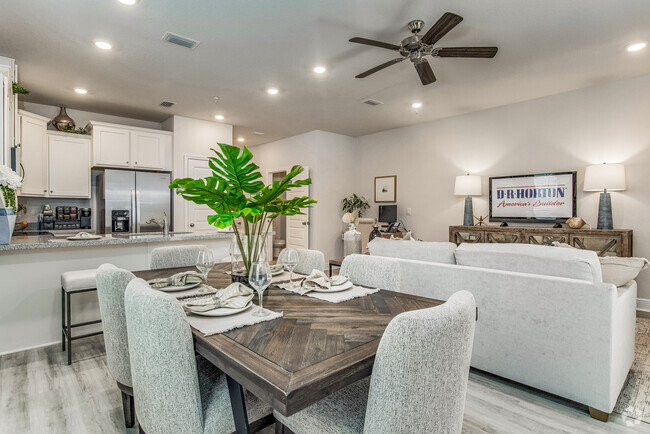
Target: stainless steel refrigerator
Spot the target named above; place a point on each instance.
(127, 200)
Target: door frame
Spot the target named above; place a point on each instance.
(269, 179)
(186, 170)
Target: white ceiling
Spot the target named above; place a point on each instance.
(545, 47)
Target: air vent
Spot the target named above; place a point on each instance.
(258, 133)
(372, 102)
(180, 40)
(167, 104)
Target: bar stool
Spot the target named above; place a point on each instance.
(74, 282)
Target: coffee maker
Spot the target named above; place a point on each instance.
(84, 217)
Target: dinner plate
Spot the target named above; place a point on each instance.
(339, 288)
(179, 288)
(222, 311)
(277, 273)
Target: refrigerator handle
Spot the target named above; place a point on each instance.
(137, 209)
(133, 212)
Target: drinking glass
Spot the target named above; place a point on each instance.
(290, 261)
(260, 279)
(205, 262)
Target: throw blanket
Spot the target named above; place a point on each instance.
(179, 279)
(234, 296)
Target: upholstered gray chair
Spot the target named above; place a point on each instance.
(111, 284)
(175, 256)
(172, 394)
(373, 271)
(308, 260)
(418, 382)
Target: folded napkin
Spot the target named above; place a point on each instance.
(179, 279)
(318, 279)
(234, 296)
(276, 267)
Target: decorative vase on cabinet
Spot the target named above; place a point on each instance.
(63, 122)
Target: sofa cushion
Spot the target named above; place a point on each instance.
(441, 252)
(620, 271)
(532, 259)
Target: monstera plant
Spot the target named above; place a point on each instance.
(235, 191)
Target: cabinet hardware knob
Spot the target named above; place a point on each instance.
(191, 225)
(127, 162)
(44, 191)
(51, 191)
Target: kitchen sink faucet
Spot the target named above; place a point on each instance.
(164, 225)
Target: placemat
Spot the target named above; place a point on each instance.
(335, 297)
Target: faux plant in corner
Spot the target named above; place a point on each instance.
(235, 191)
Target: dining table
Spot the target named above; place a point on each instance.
(315, 349)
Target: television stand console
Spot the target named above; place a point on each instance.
(616, 242)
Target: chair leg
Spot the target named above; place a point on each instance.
(279, 428)
(140, 430)
(62, 319)
(598, 415)
(68, 328)
(129, 410)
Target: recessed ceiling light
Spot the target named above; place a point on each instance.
(103, 45)
(416, 105)
(272, 91)
(219, 117)
(128, 2)
(241, 139)
(81, 91)
(636, 47)
(258, 133)
(320, 69)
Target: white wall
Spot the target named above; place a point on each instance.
(565, 132)
(81, 118)
(334, 165)
(192, 137)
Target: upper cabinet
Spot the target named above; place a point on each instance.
(130, 147)
(54, 164)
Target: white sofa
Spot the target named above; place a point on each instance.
(568, 334)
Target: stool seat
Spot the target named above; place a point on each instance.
(72, 281)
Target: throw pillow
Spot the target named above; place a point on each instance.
(620, 271)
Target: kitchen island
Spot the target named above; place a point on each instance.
(30, 279)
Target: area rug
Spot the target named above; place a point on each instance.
(634, 400)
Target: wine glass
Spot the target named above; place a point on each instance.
(205, 262)
(290, 260)
(260, 278)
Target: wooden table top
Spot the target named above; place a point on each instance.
(317, 348)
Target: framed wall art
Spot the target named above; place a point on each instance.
(386, 189)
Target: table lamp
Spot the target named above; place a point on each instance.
(468, 185)
(604, 177)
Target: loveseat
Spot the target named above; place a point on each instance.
(545, 318)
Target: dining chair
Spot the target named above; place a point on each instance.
(374, 271)
(172, 394)
(418, 382)
(175, 256)
(308, 260)
(111, 284)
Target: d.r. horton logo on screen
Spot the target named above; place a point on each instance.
(551, 195)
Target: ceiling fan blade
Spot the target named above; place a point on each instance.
(425, 72)
(447, 22)
(375, 43)
(380, 67)
(484, 52)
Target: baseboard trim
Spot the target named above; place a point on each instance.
(643, 304)
(30, 348)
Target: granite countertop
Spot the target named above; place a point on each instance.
(31, 242)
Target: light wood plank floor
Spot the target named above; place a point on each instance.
(39, 393)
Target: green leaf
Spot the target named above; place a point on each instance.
(236, 169)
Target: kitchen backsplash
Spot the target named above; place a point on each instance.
(35, 205)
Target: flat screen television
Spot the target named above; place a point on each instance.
(387, 213)
(541, 197)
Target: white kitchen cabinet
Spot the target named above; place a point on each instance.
(55, 164)
(69, 166)
(122, 146)
(33, 147)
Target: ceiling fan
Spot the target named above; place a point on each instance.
(415, 47)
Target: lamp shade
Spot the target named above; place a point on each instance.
(604, 177)
(468, 185)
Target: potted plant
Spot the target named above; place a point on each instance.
(9, 183)
(355, 203)
(235, 191)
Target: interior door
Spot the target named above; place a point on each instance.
(196, 216)
(69, 167)
(147, 150)
(298, 225)
(34, 156)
